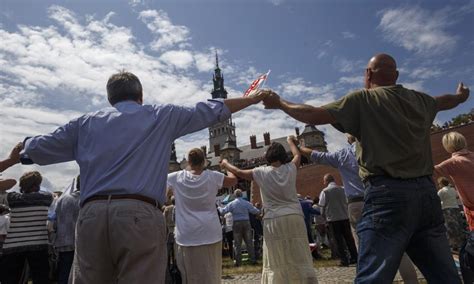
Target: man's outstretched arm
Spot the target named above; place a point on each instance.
(236, 104)
(446, 102)
(301, 112)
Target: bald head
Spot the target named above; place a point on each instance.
(381, 71)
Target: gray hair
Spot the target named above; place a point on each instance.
(238, 193)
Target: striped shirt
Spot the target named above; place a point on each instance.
(28, 216)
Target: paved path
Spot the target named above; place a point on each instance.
(329, 275)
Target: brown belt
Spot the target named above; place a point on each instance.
(123, 196)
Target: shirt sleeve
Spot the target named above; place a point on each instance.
(431, 105)
(252, 209)
(218, 179)
(346, 111)
(171, 180)
(324, 158)
(322, 199)
(225, 209)
(56, 147)
(257, 175)
(190, 119)
(442, 169)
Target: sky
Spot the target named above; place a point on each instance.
(56, 57)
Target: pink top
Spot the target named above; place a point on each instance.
(460, 168)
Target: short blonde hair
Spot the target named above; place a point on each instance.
(454, 141)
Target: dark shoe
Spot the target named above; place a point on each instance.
(343, 264)
(353, 261)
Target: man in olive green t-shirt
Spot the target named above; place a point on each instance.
(402, 211)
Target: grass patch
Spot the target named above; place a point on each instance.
(228, 268)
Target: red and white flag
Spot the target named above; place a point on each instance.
(257, 83)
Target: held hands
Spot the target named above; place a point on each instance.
(259, 95)
(224, 164)
(272, 101)
(462, 92)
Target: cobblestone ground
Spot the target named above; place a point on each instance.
(326, 275)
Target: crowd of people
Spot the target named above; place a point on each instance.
(386, 216)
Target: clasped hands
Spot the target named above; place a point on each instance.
(271, 100)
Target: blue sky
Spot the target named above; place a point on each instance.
(56, 56)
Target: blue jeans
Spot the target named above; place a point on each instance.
(398, 216)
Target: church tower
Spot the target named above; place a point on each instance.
(220, 132)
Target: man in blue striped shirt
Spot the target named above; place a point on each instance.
(123, 153)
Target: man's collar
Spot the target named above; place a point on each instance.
(125, 103)
(331, 184)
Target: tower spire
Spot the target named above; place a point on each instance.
(217, 60)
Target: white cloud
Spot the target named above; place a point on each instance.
(298, 86)
(414, 85)
(425, 73)
(276, 2)
(418, 30)
(159, 24)
(352, 80)
(322, 54)
(179, 58)
(204, 62)
(246, 77)
(348, 35)
(345, 65)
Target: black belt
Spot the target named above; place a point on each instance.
(355, 199)
(123, 196)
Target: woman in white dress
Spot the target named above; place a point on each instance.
(286, 254)
(198, 230)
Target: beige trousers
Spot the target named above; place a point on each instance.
(406, 268)
(200, 264)
(120, 241)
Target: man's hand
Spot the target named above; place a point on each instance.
(259, 95)
(272, 101)
(15, 153)
(449, 101)
(462, 92)
(6, 184)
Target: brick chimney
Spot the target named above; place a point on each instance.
(204, 150)
(253, 142)
(297, 131)
(266, 138)
(217, 150)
